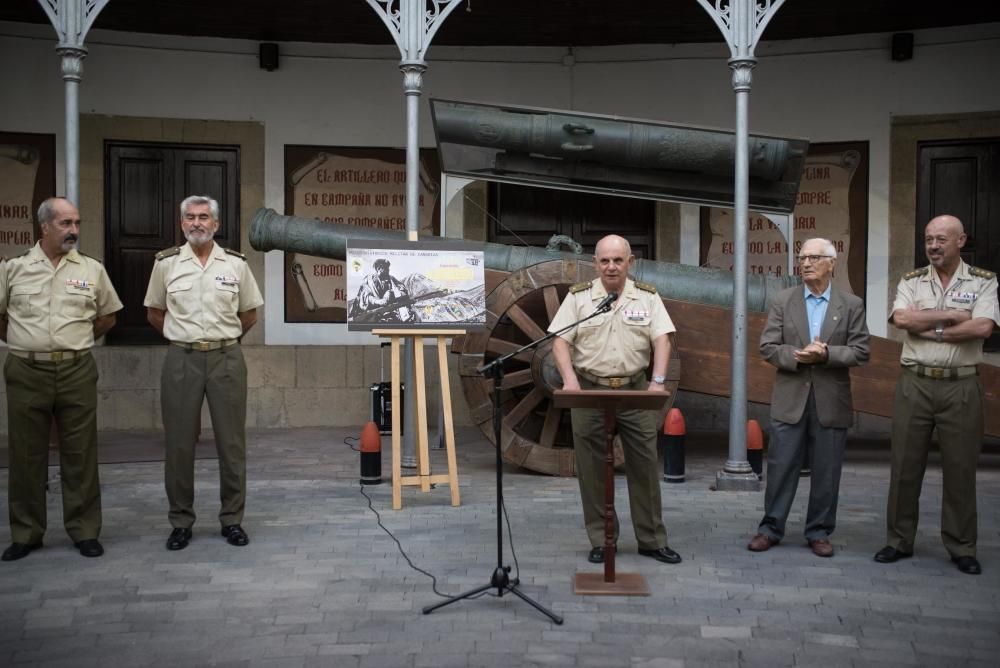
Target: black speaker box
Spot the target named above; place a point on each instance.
(902, 46)
(268, 56)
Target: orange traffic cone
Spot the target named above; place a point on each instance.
(674, 431)
(371, 455)
(755, 447)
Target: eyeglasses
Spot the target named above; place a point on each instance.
(811, 258)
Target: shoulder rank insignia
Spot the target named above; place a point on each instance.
(915, 273)
(646, 287)
(579, 287)
(981, 273)
(170, 252)
(238, 254)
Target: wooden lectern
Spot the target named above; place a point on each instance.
(611, 401)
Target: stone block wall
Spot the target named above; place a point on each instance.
(288, 386)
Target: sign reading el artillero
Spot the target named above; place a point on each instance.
(353, 186)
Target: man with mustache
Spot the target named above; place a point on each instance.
(203, 298)
(54, 303)
(947, 310)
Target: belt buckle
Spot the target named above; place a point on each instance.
(936, 373)
(57, 356)
(614, 383)
(202, 346)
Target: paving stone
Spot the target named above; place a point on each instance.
(321, 584)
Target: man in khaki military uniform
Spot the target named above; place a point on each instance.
(946, 309)
(613, 351)
(54, 302)
(203, 298)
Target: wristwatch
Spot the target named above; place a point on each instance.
(659, 380)
(938, 332)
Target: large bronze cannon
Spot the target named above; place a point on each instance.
(525, 287)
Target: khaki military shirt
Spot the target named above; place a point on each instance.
(970, 289)
(617, 343)
(53, 308)
(202, 303)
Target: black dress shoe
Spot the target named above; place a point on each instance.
(968, 565)
(90, 547)
(235, 535)
(19, 551)
(889, 554)
(179, 539)
(596, 555)
(664, 554)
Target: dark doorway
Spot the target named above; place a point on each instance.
(144, 185)
(962, 178)
(526, 216)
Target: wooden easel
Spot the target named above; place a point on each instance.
(423, 478)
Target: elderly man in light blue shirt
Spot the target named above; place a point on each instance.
(812, 336)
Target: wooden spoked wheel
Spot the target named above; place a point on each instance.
(535, 434)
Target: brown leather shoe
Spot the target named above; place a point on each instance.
(761, 543)
(821, 547)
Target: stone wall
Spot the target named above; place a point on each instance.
(289, 386)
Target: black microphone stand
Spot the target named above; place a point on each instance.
(501, 579)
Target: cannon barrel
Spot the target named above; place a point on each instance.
(270, 230)
(608, 141)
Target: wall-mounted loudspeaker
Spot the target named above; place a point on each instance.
(268, 56)
(902, 46)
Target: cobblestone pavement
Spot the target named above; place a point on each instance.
(321, 585)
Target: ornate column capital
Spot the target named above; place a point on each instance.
(413, 76)
(742, 73)
(72, 62)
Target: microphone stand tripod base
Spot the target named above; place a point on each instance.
(624, 584)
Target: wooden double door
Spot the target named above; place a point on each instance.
(529, 216)
(144, 186)
(962, 178)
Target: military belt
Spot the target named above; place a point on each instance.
(54, 356)
(943, 373)
(205, 346)
(612, 382)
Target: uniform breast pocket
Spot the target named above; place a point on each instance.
(593, 323)
(79, 302)
(227, 295)
(24, 299)
(181, 298)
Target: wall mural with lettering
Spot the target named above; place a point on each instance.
(354, 186)
(832, 203)
(27, 176)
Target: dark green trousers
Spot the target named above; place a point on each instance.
(37, 391)
(637, 430)
(955, 408)
(188, 377)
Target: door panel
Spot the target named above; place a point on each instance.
(145, 183)
(528, 216)
(962, 178)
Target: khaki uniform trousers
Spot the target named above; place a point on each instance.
(955, 407)
(37, 391)
(188, 377)
(637, 430)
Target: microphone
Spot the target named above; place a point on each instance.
(606, 303)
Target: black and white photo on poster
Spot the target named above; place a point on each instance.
(427, 284)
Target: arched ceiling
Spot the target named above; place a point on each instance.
(513, 22)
